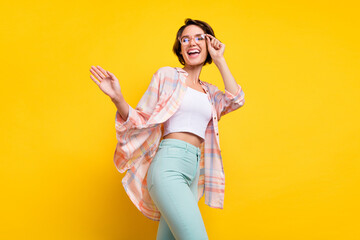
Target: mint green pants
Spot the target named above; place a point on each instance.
(172, 183)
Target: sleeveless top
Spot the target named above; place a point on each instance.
(193, 115)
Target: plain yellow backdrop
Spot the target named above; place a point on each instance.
(290, 154)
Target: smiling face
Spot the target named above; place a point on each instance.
(194, 53)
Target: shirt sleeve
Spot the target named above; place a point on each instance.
(226, 102)
(137, 117)
(133, 143)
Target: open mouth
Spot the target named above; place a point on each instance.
(193, 53)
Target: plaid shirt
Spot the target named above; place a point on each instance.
(139, 136)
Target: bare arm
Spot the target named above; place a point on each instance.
(229, 81)
(216, 50)
(122, 107)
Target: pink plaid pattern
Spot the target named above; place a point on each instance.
(139, 136)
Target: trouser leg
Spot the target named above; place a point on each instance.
(164, 232)
(172, 183)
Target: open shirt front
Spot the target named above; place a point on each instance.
(139, 136)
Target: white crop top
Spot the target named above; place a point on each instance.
(193, 115)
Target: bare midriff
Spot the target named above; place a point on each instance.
(187, 137)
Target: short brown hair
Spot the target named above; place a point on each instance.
(177, 45)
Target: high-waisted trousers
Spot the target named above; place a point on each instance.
(172, 183)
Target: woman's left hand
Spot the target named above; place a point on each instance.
(215, 47)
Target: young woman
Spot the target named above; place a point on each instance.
(169, 144)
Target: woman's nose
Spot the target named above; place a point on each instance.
(192, 41)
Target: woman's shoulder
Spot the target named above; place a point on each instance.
(167, 73)
(211, 86)
(166, 70)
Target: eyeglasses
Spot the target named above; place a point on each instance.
(185, 40)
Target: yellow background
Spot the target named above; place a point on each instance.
(290, 154)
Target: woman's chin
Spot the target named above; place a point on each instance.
(194, 63)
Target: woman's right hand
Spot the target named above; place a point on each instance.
(107, 82)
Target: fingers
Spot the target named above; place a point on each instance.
(103, 71)
(218, 44)
(98, 72)
(221, 45)
(96, 75)
(210, 36)
(111, 75)
(215, 43)
(208, 41)
(95, 81)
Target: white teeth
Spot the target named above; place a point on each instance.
(193, 51)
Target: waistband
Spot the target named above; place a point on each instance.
(180, 143)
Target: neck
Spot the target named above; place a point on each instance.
(194, 72)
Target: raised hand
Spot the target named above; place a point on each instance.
(215, 47)
(106, 81)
